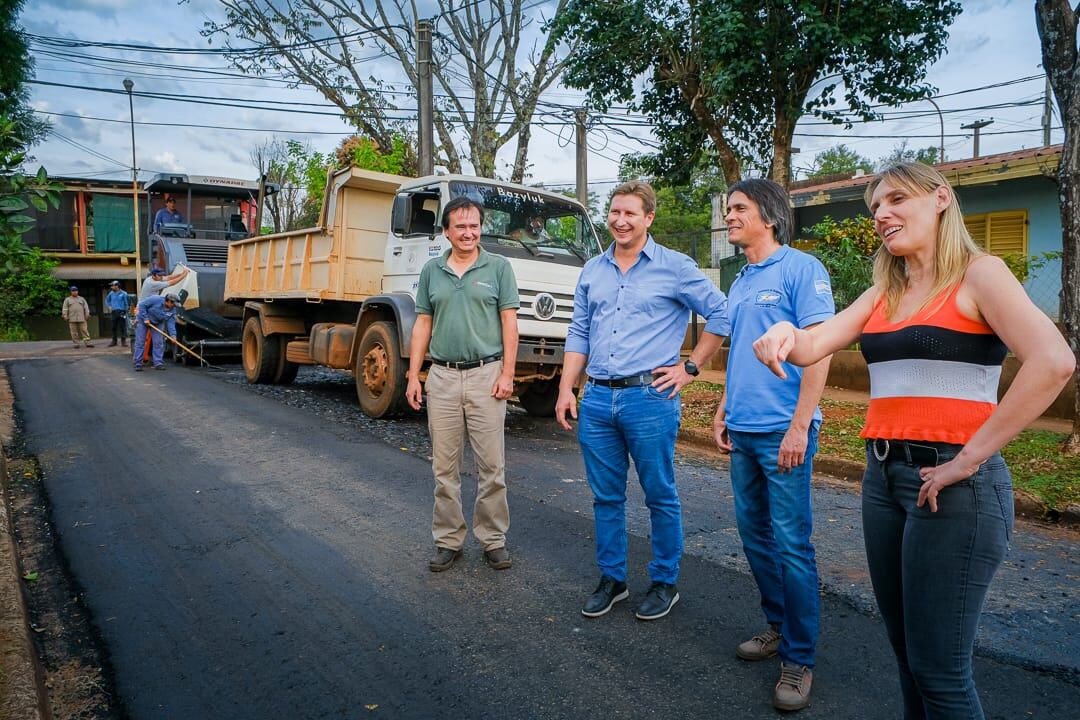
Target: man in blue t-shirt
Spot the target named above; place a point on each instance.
(770, 427)
(168, 215)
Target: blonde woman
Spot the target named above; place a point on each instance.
(937, 497)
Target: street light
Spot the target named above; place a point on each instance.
(129, 86)
(941, 120)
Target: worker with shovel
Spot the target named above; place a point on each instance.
(157, 312)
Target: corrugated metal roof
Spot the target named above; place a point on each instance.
(949, 169)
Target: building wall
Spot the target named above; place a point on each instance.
(1037, 195)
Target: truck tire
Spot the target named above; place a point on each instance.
(286, 371)
(539, 398)
(380, 371)
(260, 354)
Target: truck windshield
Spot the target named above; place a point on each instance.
(519, 223)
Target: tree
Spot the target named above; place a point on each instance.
(902, 153)
(733, 77)
(16, 67)
(839, 159)
(26, 284)
(321, 43)
(283, 208)
(1057, 25)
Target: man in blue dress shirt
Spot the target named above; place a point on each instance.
(631, 310)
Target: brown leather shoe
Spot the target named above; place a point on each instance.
(498, 558)
(444, 559)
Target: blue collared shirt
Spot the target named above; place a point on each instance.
(788, 285)
(117, 300)
(164, 217)
(153, 309)
(635, 322)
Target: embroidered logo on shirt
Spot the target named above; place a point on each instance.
(767, 297)
(481, 283)
(822, 287)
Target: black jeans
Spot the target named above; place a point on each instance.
(119, 326)
(931, 571)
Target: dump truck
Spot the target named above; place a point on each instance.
(342, 295)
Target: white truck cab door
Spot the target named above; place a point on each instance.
(415, 237)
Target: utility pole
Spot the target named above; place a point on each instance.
(129, 86)
(582, 158)
(976, 126)
(1048, 114)
(424, 93)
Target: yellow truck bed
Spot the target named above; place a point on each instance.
(340, 260)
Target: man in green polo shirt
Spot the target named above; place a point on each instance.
(466, 311)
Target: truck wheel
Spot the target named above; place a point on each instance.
(260, 354)
(539, 398)
(286, 371)
(380, 371)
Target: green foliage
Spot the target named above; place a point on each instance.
(16, 68)
(902, 153)
(732, 77)
(27, 285)
(1023, 266)
(839, 159)
(846, 249)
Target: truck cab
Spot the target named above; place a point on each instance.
(546, 237)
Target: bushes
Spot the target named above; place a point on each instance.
(846, 249)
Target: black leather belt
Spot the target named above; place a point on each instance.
(922, 455)
(467, 364)
(625, 382)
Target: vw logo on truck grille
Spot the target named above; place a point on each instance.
(544, 306)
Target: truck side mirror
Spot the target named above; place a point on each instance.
(401, 214)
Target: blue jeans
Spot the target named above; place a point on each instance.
(138, 347)
(773, 512)
(931, 572)
(614, 425)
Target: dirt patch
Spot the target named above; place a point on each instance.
(76, 678)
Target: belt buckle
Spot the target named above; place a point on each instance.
(884, 454)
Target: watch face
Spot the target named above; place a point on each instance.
(691, 368)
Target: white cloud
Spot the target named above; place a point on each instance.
(167, 161)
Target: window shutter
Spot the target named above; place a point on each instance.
(1000, 233)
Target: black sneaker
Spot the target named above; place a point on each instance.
(138, 369)
(159, 367)
(444, 559)
(607, 593)
(658, 602)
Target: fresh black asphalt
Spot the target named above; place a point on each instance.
(243, 558)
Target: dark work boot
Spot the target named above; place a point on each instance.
(444, 559)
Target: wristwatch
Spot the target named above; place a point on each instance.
(691, 368)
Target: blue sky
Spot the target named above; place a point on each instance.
(992, 41)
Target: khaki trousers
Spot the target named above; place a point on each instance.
(79, 332)
(460, 401)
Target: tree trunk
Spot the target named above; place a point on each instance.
(1069, 197)
(521, 157)
(1057, 22)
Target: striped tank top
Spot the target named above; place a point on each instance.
(933, 377)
